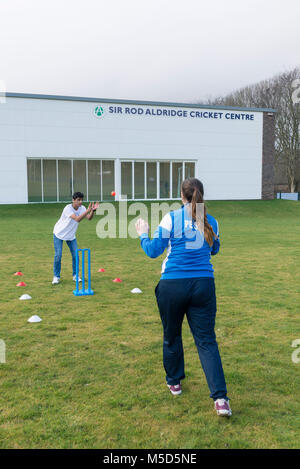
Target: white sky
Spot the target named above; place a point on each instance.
(155, 50)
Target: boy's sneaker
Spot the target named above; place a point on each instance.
(222, 407)
(55, 280)
(175, 389)
(74, 278)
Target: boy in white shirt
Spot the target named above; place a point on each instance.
(65, 230)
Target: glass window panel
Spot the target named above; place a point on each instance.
(79, 177)
(189, 170)
(151, 181)
(94, 176)
(164, 180)
(49, 181)
(139, 180)
(34, 180)
(108, 179)
(176, 179)
(64, 180)
(126, 179)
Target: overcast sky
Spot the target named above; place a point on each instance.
(158, 50)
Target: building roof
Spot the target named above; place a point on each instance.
(133, 102)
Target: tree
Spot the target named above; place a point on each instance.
(281, 93)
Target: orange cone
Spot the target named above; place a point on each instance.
(21, 284)
(18, 273)
(117, 280)
(101, 270)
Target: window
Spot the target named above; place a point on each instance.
(142, 180)
(79, 177)
(34, 180)
(64, 180)
(189, 170)
(52, 180)
(108, 179)
(139, 180)
(177, 178)
(164, 178)
(94, 179)
(151, 180)
(49, 181)
(126, 179)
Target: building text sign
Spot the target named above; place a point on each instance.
(100, 111)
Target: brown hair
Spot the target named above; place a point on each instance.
(192, 190)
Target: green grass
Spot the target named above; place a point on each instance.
(90, 375)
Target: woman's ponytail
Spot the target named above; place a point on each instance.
(192, 190)
(196, 199)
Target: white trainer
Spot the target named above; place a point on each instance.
(55, 280)
(175, 389)
(223, 408)
(74, 278)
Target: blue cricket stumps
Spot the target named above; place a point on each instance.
(83, 291)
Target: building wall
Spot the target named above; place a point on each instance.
(268, 156)
(227, 152)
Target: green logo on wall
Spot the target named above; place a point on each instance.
(98, 111)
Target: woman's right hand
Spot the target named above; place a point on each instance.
(141, 227)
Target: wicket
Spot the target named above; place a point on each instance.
(83, 291)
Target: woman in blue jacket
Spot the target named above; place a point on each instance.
(187, 286)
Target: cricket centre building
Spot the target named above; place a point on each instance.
(52, 146)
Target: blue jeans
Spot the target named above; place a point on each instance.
(196, 298)
(58, 245)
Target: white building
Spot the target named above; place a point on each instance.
(51, 146)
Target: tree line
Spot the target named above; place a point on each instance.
(281, 92)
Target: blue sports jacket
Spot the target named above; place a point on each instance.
(188, 253)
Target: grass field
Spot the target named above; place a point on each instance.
(90, 375)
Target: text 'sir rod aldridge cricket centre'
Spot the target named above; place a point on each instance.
(51, 145)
